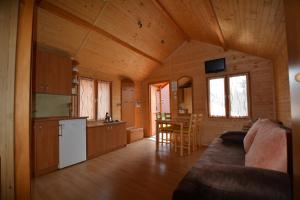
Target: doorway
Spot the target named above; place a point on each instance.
(159, 102)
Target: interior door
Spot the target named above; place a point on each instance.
(128, 103)
(72, 142)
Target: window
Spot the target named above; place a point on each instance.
(87, 98)
(238, 93)
(217, 97)
(103, 99)
(235, 87)
(95, 98)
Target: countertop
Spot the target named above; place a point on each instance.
(101, 123)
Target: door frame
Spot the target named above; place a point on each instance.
(23, 100)
(149, 121)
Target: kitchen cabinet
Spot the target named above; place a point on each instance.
(45, 146)
(96, 144)
(52, 74)
(104, 138)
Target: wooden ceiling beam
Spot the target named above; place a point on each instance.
(169, 16)
(85, 24)
(218, 27)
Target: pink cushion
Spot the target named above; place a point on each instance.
(250, 135)
(263, 124)
(268, 150)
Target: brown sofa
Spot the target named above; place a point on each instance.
(220, 174)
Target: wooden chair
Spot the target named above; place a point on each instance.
(168, 129)
(190, 134)
(164, 129)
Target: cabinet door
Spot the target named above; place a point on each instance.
(96, 141)
(118, 133)
(122, 135)
(53, 74)
(63, 71)
(40, 72)
(51, 130)
(109, 138)
(92, 142)
(45, 146)
(40, 149)
(102, 140)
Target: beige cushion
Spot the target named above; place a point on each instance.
(268, 150)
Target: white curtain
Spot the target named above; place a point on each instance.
(87, 94)
(103, 99)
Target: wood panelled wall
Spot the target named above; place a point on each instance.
(189, 60)
(8, 38)
(282, 88)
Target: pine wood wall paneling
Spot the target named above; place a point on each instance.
(192, 16)
(102, 54)
(86, 25)
(189, 61)
(22, 101)
(292, 8)
(283, 102)
(8, 38)
(252, 26)
(123, 16)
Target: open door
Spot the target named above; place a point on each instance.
(159, 102)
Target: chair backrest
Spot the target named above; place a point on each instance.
(195, 121)
(168, 115)
(158, 115)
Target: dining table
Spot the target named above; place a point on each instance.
(176, 122)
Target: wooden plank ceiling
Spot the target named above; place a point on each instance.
(132, 37)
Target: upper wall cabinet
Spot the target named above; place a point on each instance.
(52, 74)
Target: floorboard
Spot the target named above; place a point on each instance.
(134, 172)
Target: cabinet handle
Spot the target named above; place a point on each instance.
(40, 127)
(60, 130)
(47, 87)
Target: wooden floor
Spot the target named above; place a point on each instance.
(134, 172)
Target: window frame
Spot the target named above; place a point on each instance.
(227, 95)
(95, 110)
(208, 97)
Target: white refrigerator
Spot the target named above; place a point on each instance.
(72, 142)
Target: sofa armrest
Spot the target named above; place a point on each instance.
(232, 182)
(233, 137)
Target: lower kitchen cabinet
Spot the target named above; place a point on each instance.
(105, 138)
(45, 147)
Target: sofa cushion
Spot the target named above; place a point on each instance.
(223, 153)
(268, 150)
(231, 182)
(263, 124)
(235, 137)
